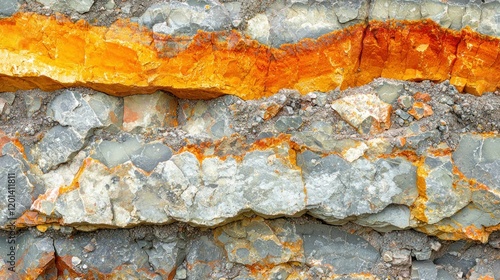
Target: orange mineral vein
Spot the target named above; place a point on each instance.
(52, 52)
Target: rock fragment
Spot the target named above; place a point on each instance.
(424, 270)
(148, 111)
(365, 112)
(81, 7)
(9, 7)
(115, 253)
(256, 241)
(337, 189)
(19, 193)
(341, 252)
(70, 109)
(59, 144)
(420, 110)
(203, 258)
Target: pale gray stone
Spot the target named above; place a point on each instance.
(203, 257)
(393, 217)
(389, 92)
(17, 198)
(437, 11)
(90, 202)
(423, 270)
(146, 111)
(272, 187)
(211, 119)
(151, 200)
(70, 109)
(177, 17)
(113, 248)
(289, 24)
(379, 9)
(456, 14)
(318, 137)
(80, 6)
(479, 158)
(351, 10)
(472, 16)
(259, 28)
(148, 157)
(8, 96)
(33, 104)
(336, 250)
(8, 7)
(405, 10)
(113, 153)
(188, 198)
(59, 145)
(471, 215)
(338, 190)
(108, 109)
(443, 199)
(165, 257)
(284, 124)
(490, 19)
(156, 13)
(487, 201)
(395, 9)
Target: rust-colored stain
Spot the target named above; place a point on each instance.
(33, 218)
(422, 96)
(216, 149)
(418, 208)
(45, 267)
(52, 52)
(75, 183)
(458, 231)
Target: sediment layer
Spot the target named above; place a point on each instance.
(378, 156)
(52, 52)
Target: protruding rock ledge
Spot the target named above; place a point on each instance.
(52, 52)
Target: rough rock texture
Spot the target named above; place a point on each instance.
(253, 248)
(295, 160)
(127, 58)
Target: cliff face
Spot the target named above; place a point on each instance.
(250, 140)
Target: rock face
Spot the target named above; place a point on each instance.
(249, 139)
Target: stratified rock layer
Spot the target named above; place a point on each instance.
(341, 157)
(52, 52)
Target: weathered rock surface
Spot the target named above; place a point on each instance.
(310, 166)
(227, 157)
(253, 248)
(82, 6)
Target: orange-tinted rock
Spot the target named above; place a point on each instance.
(45, 267)
(413, 51)
(52, 52)
(33, 218)
(420, 110)
(422, 96)
(477, 68)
